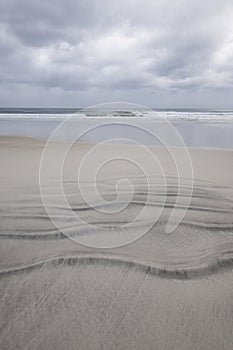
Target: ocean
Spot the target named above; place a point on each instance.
(198, 128)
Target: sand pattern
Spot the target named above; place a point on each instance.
(154, 293)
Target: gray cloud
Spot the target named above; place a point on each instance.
(91, 51)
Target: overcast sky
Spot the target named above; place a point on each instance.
(159, 53)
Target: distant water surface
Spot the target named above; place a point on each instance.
(199, 128)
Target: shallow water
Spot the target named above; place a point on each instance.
(198, 128)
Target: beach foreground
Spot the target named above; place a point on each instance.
(162, 291)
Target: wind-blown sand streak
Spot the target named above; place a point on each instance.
(208, 265)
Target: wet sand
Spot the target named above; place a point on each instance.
(163, 291)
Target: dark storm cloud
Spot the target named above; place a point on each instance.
(81, 45)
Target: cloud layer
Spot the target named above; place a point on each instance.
(79, 52)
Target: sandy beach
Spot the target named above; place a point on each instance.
(163, 291)
(116, 175)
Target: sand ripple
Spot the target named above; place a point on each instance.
(201, 245)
